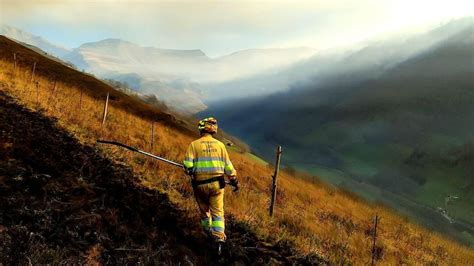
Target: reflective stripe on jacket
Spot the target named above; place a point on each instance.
(207, 157)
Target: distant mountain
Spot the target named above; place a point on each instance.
(393, 125)
(43, 44)
(184, 79)
(148, 70)
(181, 78)
(114, 55)
(127, 62)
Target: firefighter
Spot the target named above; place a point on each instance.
(207, 161)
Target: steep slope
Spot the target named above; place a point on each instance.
(314, 222)
(67, 202)
(401, 135)
(58, 72)
(64, 201)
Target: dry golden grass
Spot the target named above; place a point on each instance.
(311, 216)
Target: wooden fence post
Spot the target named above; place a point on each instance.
(106, 106)
(33, 72)
(374, 238)
(14, 61)
(275, 176)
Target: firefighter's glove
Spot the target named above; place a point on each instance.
(188, 171)
(235, 183)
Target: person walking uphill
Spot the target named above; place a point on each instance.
(207, 161)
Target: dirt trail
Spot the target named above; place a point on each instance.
(61, 201)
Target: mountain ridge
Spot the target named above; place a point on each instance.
(29, 38)
(160, 69)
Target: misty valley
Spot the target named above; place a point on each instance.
(394, 127)
(372, 103)
(390, 120)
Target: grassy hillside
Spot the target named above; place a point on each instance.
(403, 138)
(311, 218)
(63, 202)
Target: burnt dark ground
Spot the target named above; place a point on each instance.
(63, 202)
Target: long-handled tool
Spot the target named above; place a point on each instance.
(140, 151)
(148, 154)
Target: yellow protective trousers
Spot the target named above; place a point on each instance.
(210, 199)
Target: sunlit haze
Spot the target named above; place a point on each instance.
(223, 27)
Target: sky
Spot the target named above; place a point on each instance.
(225, 26)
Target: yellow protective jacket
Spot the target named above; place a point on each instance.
(207, 157)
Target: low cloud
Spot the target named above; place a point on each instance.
(220, 27)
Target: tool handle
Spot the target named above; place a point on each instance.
(236, 187)
(118, 144)
(140, 151)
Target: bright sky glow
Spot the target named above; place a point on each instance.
(222, 27)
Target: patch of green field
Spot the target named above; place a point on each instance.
(440, 182)
(329, 133)
(361, 168)
(469, 238)
(462, 209)
(332, 176)
(433, 193)
(437, 143)
(378, 154)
